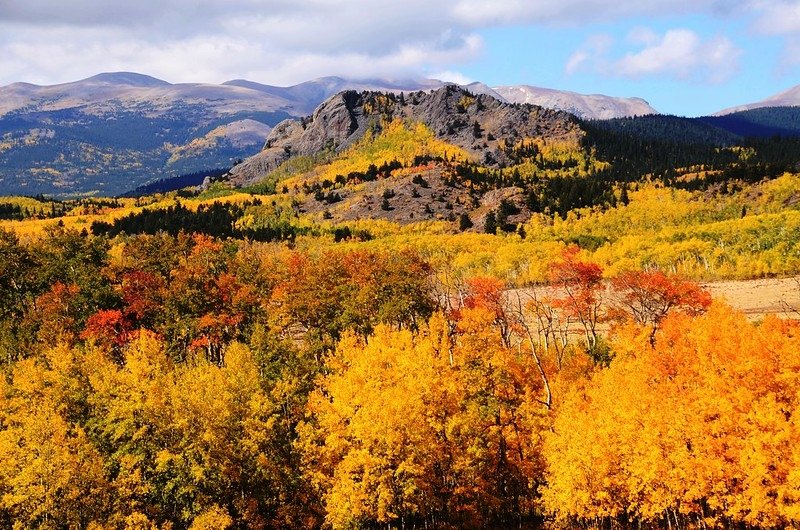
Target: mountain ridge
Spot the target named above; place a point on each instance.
(587, 106)
(117, 130)
(455, 115)
(302, 98)
(787, 98)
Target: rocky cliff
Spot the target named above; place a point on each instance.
(477, 123)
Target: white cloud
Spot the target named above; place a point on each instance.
(281, 42)
(590, 54)
(576, 61)
(643, 36)
(777, 17)
(287, 41)
(479, 12)
(451, 77)
(678, 53)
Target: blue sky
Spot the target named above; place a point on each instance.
(540, 55)
(685, 57)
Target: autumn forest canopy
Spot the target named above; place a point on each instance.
(185, 381)
(444, 324)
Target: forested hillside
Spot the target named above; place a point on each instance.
(423, 311)
(184, 381)
(760, 122)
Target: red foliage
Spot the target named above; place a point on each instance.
(582, 283)
(143, 294)
(648, 296)
(108, 327)
(570, 272)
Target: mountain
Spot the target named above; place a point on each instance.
(454, 114)
(481, 88)
(590, 107)
(126, 91)
(449, 154)
(787, 98)
(115, 131)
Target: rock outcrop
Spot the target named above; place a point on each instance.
(474, 122)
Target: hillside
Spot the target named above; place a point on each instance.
(759, 122)
(449, 154)
(469, 158)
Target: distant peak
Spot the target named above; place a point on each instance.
(127, 78)
(587, 106)
(329, 79)
(787, 98)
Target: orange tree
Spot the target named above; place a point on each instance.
(698, 427)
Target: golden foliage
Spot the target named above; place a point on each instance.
(446, 422)
(398, 140)
(698, 428)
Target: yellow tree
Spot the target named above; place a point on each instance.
(373, 443)
(440, 425)
(52, 476)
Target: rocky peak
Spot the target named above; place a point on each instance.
(474, 122)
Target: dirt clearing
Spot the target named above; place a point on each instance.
(757, 298)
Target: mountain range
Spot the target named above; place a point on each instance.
(115, 131)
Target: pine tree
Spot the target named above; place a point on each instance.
(623, 195)
(464, 222)
(490, 225)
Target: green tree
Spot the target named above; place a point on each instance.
(490, 224)
(464, 222)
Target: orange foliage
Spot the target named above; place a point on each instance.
(648, 296)
(56, 313)
(698, 428)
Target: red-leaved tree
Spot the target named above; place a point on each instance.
(649, 296)
(582, 285)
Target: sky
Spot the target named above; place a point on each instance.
(685, 57)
